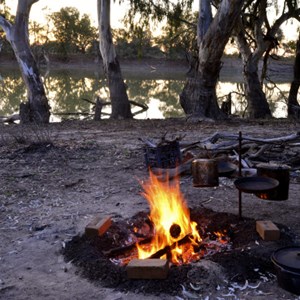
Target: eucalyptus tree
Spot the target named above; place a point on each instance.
(37, 108)
(117, 89)
(5, 13)
(293, 104)
(180, 40)
(198, 97)
(179, 31)
(73, 32)
(256, 37)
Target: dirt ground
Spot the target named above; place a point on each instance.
(56, 179)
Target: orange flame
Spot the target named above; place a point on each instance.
(168, 207)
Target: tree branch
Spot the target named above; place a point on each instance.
(6, 26)
(284, 17)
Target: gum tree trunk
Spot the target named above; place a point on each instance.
(293, 104)
(36, 109)
(117, 89)
(258, 106)
(198, 97)
(264, 39)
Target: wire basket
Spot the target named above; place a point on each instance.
(163, 156)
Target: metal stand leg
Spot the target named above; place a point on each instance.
(240, 173)
(240, 205)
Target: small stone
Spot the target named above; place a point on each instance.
(148, 269)
(267, 230)
(98, 226)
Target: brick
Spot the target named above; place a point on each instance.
(148, 269)
(267, 230)
(98, 226)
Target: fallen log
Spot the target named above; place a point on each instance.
(10, 119)
(217, 136)
(99, 104)
(253, 150)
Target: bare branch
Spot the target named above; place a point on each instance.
(6, 26)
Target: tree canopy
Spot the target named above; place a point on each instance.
(73, 33)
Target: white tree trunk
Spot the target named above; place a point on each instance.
(117, 89)
(293, 104)
(198, 97)
(37, 108)
(204, 20)
(257, 103)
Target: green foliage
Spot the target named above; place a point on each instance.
(39, 34)
(179, 33)
(178, 38)
(157, 10)
(5, 12)
(73, 33)
(4, 44)
(136, 43)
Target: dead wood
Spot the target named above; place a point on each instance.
(144, 107)
(253, 150)
(210, 143)
(121, 250)
(98, 109)
(167, 249)
(99, 104)
(10, 119)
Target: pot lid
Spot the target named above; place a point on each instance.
(288, 257)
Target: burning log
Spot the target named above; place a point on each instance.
(175, 231)
(167, 250)
(120, 250)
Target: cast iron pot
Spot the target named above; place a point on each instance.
(287, 264)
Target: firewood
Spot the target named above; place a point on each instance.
(167, 249)
(120, 250)
(10, 119)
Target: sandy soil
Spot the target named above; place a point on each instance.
(49, 192)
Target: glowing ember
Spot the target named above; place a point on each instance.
(175, 234)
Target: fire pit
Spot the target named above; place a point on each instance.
(203, 247)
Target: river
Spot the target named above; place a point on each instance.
(154, 84)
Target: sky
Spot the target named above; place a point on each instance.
(44, 7)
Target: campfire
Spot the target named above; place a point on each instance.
(168, 232)
(172, 240)
(175, 236)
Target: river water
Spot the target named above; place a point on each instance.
(70, 91)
